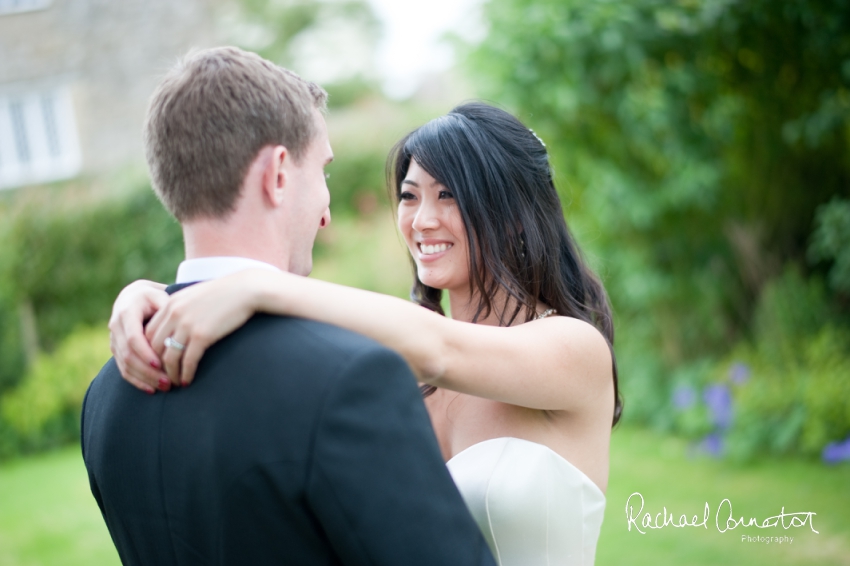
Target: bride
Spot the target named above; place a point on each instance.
(520, 383)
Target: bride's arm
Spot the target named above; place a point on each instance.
(554, 363)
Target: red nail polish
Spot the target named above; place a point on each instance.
(164, 384)
(155, 364)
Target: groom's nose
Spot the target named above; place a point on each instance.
(326, 218)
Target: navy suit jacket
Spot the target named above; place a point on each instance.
(297, 443)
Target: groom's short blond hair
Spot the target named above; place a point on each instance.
(209, 118)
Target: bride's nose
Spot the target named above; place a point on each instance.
(426, 219)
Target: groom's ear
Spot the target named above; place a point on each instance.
(276, 175)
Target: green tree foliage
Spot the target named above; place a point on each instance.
(45, 407)
(697, 144)
(788, 385)
(701, 136)
(64, 256)
(831, 242)
(68, 264)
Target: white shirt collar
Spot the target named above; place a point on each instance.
(205, 268)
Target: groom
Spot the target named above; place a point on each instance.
(299, 442)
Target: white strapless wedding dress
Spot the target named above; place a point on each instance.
(533, 506)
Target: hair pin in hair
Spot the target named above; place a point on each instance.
(533, 133)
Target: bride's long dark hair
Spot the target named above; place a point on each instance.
(499, 173)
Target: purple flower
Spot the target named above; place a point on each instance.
(836, 452)
(684, 396)
(739, 373)
(713, 444)
(718, 398)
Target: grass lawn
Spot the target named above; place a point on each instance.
(48, 516)
(659, 469)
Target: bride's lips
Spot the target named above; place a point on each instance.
(435, 255)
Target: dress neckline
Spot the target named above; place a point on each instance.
(537, 444)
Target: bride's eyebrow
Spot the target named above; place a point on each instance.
(409, 182)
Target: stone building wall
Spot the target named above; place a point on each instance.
(81, 71)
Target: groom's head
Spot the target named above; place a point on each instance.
(234, 140)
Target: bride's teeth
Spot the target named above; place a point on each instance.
(428, 250)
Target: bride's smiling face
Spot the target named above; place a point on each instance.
(430, 221)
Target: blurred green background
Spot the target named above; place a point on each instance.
(702, 153)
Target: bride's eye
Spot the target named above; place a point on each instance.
(446, 194)
(406, 196)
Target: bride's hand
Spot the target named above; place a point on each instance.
(137, 362)
(197, 317)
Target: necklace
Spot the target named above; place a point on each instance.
(547, 312)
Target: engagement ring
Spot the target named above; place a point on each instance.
(172, 343)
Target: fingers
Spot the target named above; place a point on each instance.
(143, 376)
(157, 301)
(139, 385)
(171, 359)
(153, 284)
(194, 351)
(138, 300)
(139, 372)
(134, 369)
(136, 360)
(158, 329)
(195, 317)
(141, 350)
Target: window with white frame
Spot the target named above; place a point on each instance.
(38, 137)
(17, 6)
